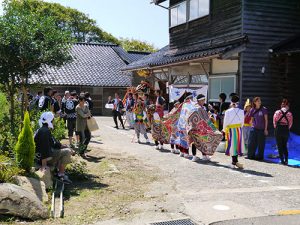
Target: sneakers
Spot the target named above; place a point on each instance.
(181, 154)
(64, 178)
(176, 151)
(148, 141)
(173, 151)
(160, 147)
(186, 156)
(206, 158)
(157, 147)
(239, 165)
(194, 159)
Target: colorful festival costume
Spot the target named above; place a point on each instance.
(158, 129)
(194, 126)
(140, 118)
(233, 127)
(171, 122)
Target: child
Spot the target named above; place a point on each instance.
(247, 124)
(139, 116)
(214, 117)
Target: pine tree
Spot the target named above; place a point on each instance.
(25, 147)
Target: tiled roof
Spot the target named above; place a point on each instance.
(167, 56)
(291, 45)
(135, 56)
(130, 56)
(92, 65)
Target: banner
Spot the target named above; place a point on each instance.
(176, 93)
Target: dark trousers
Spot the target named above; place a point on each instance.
(117, 114)
(194, 150)
(84, 138)
(282, 137)
(257, 139)
(157, 143)
(234, 159)
(173, 146)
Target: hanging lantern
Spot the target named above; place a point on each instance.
(143, 73)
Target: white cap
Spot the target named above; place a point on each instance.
(46, 117)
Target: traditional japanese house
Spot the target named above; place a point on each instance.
(249, 47)
(96, 68)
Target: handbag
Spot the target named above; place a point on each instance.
(92, 124)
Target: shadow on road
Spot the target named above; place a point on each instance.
(246, 171)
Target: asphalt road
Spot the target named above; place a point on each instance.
(208, 192)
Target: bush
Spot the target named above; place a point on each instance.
(77, 169)
(8, 169)
(7, 139)
(25, 147)
(59, 131)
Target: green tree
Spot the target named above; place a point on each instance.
(29, 42)
(25, 147)
(136, 45)
(81, 26)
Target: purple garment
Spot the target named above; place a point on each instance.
(258, 117)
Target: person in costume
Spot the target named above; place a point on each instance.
(283, 121)
(213, 115)
(247, 124)
(201, 105)
(233, 128)
(159, 131)
(139, 116)
(170, 121)
(160, 102)
(194, 126)
(129, 107)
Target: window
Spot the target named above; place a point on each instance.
(223, 84)
(178, 14)
(198, 8)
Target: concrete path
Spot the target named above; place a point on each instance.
(205, 192)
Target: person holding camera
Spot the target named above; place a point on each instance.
(117, 109)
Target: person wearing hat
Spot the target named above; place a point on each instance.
(201, 101)
(247, 124)
(51, 152)
(233, 128)
(140, 118)
(201, 104)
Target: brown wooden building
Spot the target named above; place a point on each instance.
(249, 47)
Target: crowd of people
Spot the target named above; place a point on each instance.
(194, 125)
(75, 109)
(190, 125)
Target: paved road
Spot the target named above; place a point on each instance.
(206, 192)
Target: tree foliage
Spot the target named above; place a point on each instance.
(25, 147)
(28, 43)
(81, 26)
(136, 45)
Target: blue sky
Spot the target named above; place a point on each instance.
(126, 18)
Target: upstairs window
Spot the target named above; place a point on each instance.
(198, 8)
(178, 14)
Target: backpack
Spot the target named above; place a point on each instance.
(33, 104)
